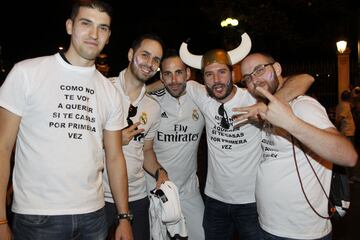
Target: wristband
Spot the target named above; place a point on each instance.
(128, 216)
(158, 172)
(5, 221)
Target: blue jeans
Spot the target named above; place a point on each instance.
(267, 236)
(89, 226)
(221, 218)
(140, 224)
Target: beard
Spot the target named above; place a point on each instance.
(176, 94)
(135, 69)
(271, 85)
(228, 86)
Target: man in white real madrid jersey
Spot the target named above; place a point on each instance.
(177, 140)
(233, 152)
(143, 120)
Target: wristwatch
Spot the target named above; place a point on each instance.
(129, 216)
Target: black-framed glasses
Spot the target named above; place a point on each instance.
(224, 123)
(257, 72)
(131, 113)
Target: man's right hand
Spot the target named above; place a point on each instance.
(129, 133)
(123, 230)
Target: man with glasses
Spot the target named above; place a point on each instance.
(290, 199)
(177, 139)
(234, 152)
(64, 115)
(143, 119)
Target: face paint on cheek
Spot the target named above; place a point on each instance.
(272, 75)
(136, 62)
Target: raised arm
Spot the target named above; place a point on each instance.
(9, 126)
(294, 86)
(327, 143)
(154, 86)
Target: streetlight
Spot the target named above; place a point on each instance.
(341, 46)
(229, 21)
(343, 57)
(229, 25)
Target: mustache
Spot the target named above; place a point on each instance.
(229, 83)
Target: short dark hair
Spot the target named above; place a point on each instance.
(95, 4)
(169, 53)
(152, 36)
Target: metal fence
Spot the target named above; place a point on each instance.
(325, 87)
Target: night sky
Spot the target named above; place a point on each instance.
(290, 29)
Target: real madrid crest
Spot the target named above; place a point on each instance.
(195, 115)
(143, 118)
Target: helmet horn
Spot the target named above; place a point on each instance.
(189, 58)
(236, 55)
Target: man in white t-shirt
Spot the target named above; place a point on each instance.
(284, 212)
(143, 119)
(63, 113)
(234, 152)
(177, 140)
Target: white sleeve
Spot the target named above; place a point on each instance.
(15, 90)
(197, 92)
(312, 112)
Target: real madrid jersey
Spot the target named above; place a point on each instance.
(148, 114)
(177, 140)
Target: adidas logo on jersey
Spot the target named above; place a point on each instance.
(164, 115)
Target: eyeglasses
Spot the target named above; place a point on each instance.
(258, 71)
(224, 123)
(131, 113)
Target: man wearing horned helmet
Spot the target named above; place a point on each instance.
(234, 151)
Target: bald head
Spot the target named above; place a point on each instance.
(260, 69)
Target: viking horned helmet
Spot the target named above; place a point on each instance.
(216, 55)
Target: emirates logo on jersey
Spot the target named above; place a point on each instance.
(195, 115)
(143, 118)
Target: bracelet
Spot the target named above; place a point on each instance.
(5, 221)
(158, 172)
(128, 216)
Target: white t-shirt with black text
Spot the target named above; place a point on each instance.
(59, 149)
(233, 154)
(282, 207)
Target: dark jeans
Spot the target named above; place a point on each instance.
(89, 226)
(221, 218)
(267, 236)
(140, 224)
